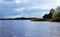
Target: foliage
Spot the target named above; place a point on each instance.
(56, 14)
(50, 14)
(45, 16)
(56, 19)
(52, 10)
(58, 9)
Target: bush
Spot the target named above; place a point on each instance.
(46, 16)
(56, 14)
(56, 19)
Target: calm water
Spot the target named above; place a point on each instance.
(23, 28)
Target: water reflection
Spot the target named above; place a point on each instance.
(21, 28)
(55, 30)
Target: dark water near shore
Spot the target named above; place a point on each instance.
(26, 28)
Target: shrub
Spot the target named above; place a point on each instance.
(56, 14)
(56, 19)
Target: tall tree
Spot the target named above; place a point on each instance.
(56, 14)
(58, 9)
(51, 13)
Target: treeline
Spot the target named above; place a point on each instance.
(54, 14)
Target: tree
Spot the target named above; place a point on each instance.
(58, 9)
(46, 16)
(52, 10)
(56, 14)
(50, 14)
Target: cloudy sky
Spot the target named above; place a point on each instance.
(26, 8)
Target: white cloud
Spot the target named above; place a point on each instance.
(18, 1)
(42, 7)
(57, 2)
(19, 9)
(46, 4)
(13, 1)
(21, 1)
(6, 1)
(0, 1)
(21, 15)
(21, 5)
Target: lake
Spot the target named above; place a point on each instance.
(26, 28)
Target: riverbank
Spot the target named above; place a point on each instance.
(57, 19)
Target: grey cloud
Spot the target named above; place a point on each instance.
(8, 0)
(7, 9)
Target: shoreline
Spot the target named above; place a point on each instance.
(33, 19)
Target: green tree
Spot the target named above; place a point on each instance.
(56, 14)
(46, 16)
(58, 9)
(50, 14)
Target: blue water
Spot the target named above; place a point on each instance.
(26, 28)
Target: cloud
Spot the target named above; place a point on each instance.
(14, 16)
(7, 10)
(20, 1)
(19, 9)
(44, 6)
(7, 0)
(28, 8)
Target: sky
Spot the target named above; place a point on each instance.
(26, 8)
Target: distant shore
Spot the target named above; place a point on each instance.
(33, 19)
(17, 18)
